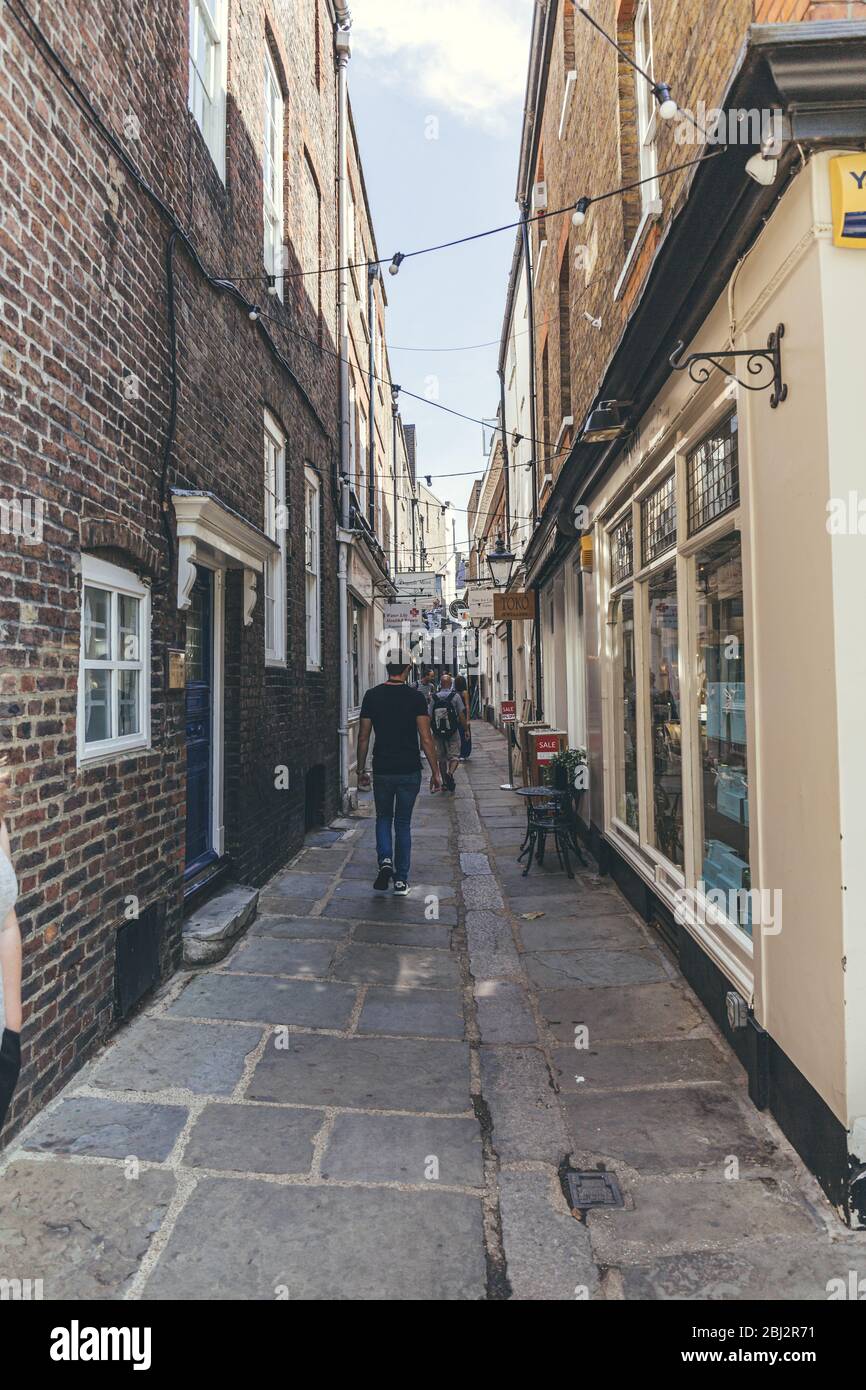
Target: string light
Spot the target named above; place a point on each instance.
(394, 267)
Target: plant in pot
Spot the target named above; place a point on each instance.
(561, 771)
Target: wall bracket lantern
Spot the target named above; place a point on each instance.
(765, 363)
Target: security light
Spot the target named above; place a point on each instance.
(607, 421)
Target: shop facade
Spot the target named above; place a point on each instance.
(722, 659)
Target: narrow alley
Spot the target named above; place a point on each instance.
(375, 1098)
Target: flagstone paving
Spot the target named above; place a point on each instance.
(373, 1098)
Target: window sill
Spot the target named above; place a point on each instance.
(106, 753)
(650, 217)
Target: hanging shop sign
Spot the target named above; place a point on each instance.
(515, 607)
(480, 601)
(403, 611)
(416, 584)
(848, 193)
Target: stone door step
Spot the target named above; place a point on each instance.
(210, 932)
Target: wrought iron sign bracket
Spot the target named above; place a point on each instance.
(761, 362)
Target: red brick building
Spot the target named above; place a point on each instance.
(169, 688)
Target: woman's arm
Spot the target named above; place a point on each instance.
(10, 956)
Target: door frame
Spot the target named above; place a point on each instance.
(217, 749)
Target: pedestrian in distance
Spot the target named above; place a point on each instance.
(448, 719)
(10, 965)
(427, 686)
(465, 733)
(397, 713)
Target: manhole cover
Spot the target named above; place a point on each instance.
(593, 1189)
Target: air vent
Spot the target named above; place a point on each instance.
(539, 196)
(593, 1188)
(136, 958)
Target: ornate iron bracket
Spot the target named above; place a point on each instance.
(759, 362)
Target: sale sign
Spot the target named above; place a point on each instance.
(508, 711)
(546, 746)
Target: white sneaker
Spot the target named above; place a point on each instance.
(401, 888)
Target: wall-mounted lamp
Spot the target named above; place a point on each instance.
(500, 562)
(609, 420)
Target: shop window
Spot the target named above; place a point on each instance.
(664, 708)
(625, 727)
(208, 28)
(658, 520)
(721, 716)
(357, 627)
(275, 529)
(114, 677)
(621, 552)
(713, 476)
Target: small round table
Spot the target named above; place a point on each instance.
(546, 815)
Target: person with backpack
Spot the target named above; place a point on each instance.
(398, 714)
(448, 717)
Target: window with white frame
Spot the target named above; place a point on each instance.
(275, 530)
(208, 28)
(114, 675)
(312, 567)
(273, 172)
(647, 109)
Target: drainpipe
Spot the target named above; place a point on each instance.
(414, 504)
(394, 409)
(342, 48)
(372, 276)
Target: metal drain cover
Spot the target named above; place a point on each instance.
(595, 1188)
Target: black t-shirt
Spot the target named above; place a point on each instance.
(394, 710)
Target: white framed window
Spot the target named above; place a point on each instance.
(208, 29)
(273, 172)
(275, 529)
(114, 667)
(646, 106)
(312, 568)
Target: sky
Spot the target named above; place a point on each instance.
(437, 95)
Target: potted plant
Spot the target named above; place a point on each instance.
(561, 771)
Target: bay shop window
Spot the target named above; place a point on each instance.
(677, 790)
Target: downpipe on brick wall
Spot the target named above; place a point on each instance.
(342, 47)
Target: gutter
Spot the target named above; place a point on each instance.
(723, 215)
(342, 51)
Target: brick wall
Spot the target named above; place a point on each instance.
(82, 253)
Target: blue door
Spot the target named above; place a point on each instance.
(199, 726)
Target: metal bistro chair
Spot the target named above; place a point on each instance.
(546, 815)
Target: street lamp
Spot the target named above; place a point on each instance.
(501, 563)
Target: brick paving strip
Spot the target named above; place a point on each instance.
(361, 1101)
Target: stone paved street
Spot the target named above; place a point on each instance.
(372, 1098)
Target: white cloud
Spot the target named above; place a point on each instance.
(465, 57)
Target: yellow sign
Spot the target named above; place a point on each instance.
(848, 190)
(515, 607)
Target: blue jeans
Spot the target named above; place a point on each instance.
(394, 795)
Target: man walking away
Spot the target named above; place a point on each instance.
(448, 718)
(398, 714)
